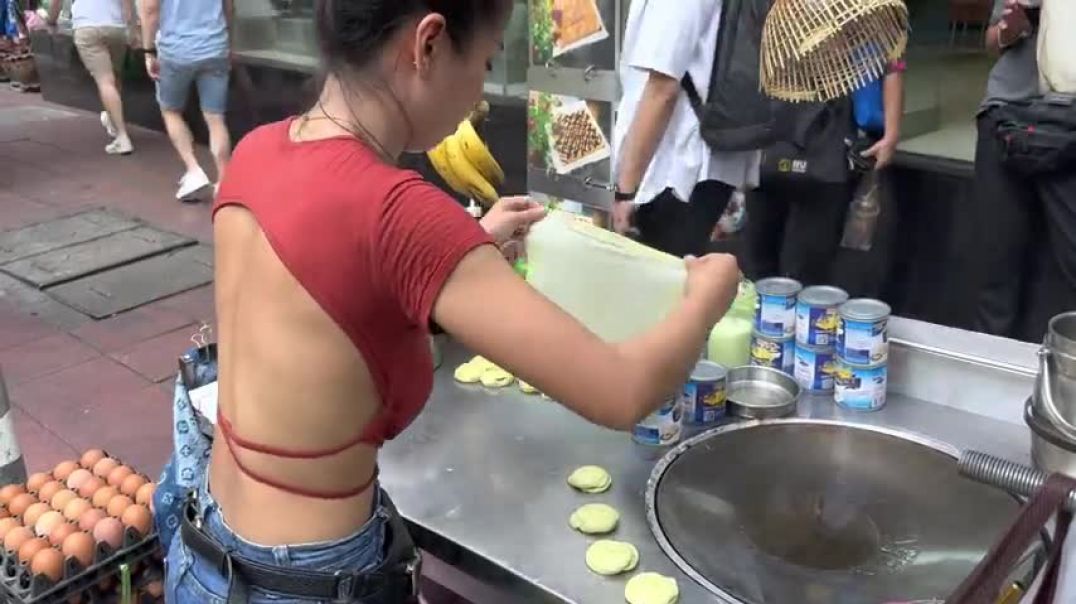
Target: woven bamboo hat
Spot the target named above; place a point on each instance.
(817, 50)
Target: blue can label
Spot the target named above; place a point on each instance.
(703, 402)
(662, 427)
(860, 388)
(775, 316)
(863, 342)
(815, 368)
(816, 325)
(778, 354)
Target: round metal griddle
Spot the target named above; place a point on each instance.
(821, 512)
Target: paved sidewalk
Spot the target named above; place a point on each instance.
(77, 383)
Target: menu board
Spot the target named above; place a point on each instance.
(573, 91)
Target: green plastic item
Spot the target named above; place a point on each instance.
(730, 342)
(521, 268)
(743, 306)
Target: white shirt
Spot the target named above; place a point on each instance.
(674, 37)
(96, 13)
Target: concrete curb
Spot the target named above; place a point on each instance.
(12, 465)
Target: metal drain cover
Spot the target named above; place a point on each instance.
(820, 512)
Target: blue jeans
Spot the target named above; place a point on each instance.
(192, 579)
(211, 76)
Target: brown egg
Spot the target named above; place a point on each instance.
(90, 518)
(38, 480)
(102, 468)
(60, 500)
(80, 546)
(79, 476)
(6, 525)
(103, 496)
(144, 495)
(110, 531)
(16, 537)
(9, 491)
(49, 490)
(90, 458)
(47, 522)
(50, 563)
(75, 508)
(131, 484)
(154, 589)
(61, 532)
(139, 518)
(90, 486)
(20, 502)
(118, 475)
(32, 513)
(63, 470)
(31, 547)
(117, 504)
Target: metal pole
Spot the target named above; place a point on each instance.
(12, 466)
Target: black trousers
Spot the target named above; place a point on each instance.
(794, 230)
(679, 228)
(1025, 233)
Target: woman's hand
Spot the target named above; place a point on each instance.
(882, 152)
(712, 284)
(511, 218)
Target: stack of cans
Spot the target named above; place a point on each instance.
(816, 337)
(862, 354)
(773, 342)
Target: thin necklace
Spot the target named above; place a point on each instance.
(357, 130)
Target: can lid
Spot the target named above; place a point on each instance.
(865, 309)
(823, 295)
(778, 286)
(708, 371)
(757, 334)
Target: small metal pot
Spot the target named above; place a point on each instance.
(1050, 451)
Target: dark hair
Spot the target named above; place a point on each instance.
(351, 32)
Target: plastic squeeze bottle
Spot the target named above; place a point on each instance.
(730, 340)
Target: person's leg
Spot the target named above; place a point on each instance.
(659, 222)
(813, 233)
(764, 231)
(116, 42)
(212, 81)
(172, 90)
(1002, 218)
(1056, 291)
(93, 49)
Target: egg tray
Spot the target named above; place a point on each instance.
(18, 586)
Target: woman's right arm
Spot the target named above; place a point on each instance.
(488, 308)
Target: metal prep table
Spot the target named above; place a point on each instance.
(480, 475)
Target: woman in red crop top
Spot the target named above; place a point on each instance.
(330, 264)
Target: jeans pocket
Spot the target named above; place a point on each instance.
(182, 581)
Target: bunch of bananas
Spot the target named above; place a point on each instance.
(465, 163)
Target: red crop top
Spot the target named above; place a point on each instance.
(372, 244)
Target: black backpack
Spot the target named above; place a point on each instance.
(736, 115)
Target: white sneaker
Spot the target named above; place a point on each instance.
(120, 146)
(191, 184)
(106, 122)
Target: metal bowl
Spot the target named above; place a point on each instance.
(821, 512)
(761, 392)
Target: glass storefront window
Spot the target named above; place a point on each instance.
(509, 74)
(279, 33)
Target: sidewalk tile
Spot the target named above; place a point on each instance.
(198, 304)
(42, 357)
(18, 327)
(61, 401)
(41, 449)
(131, 327)
(156, 358)
(136, 428)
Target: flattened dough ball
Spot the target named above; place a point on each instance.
(590, 479)
(651, 588)
(495, 377)
(607, 557)
(467, 374)
(594, 519)
(527, 388)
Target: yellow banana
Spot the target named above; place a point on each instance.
(478, 153)
(479, 187)
(439, 159)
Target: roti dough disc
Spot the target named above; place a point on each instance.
(590, 479)
(467, 374)
(527, 388)
(651, 588)
(607, 557)
(594, 519)
(495, 377)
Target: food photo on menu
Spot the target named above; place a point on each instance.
(563, 133)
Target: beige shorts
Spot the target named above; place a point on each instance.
(102, 49)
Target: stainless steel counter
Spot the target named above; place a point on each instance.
(481, 477)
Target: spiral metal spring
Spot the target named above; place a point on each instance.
(1012, 477)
